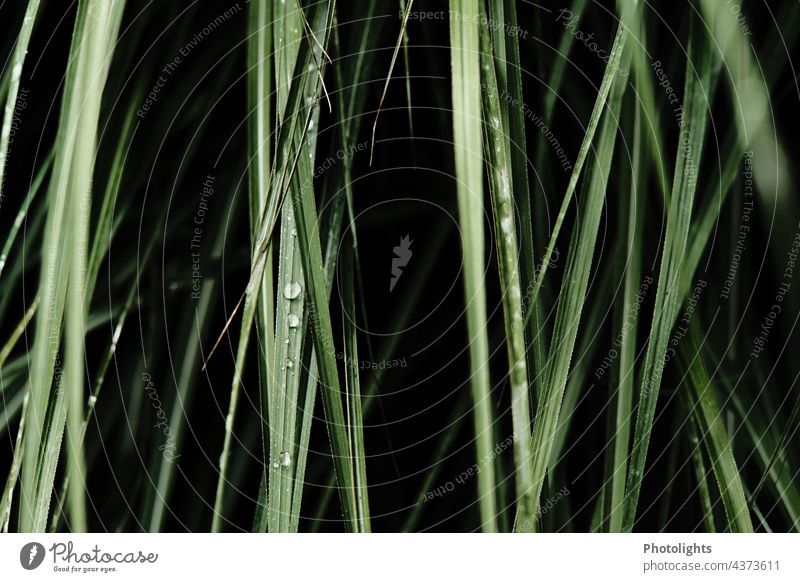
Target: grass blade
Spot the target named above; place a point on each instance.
(610, 75)
(498, 154)
(12, 91)
(74, 161)
(629, 323)
(710, 420)
(668, 299)
(465, 62)
(355, 419)
(576, 277)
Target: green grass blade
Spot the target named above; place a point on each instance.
(578, 377)
(104, 230)
(465, 62)
(23, 211)
(92, 65)
(499, 166)
(630, 319)
(13, 474)
(765, 445)
(322, 333)
(260, 61)
(611, 74)
(668, 299)
(65, 265)
(287, 153)
(710, 420)
(702, 475)
(576, 277)
(288, 344)
(544, 184)
(354, 97)
(355, 418)
(12, 91)
(399, 43)
(286, 373)
(509, 81)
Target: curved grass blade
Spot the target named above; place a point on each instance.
(400, 39)
(12, 90)
(611, 74)
(13, 474)
(23, 211)
(64, 264)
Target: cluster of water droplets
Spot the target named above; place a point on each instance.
(291, 291)
(284, 460)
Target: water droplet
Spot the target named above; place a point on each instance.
(92, 400)
(285, 459)
(291, 290)
(294, 321)
(289, 364)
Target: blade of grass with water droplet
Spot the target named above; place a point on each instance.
(288, 344)
(288, 153)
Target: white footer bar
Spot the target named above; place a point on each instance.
(400, 557)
